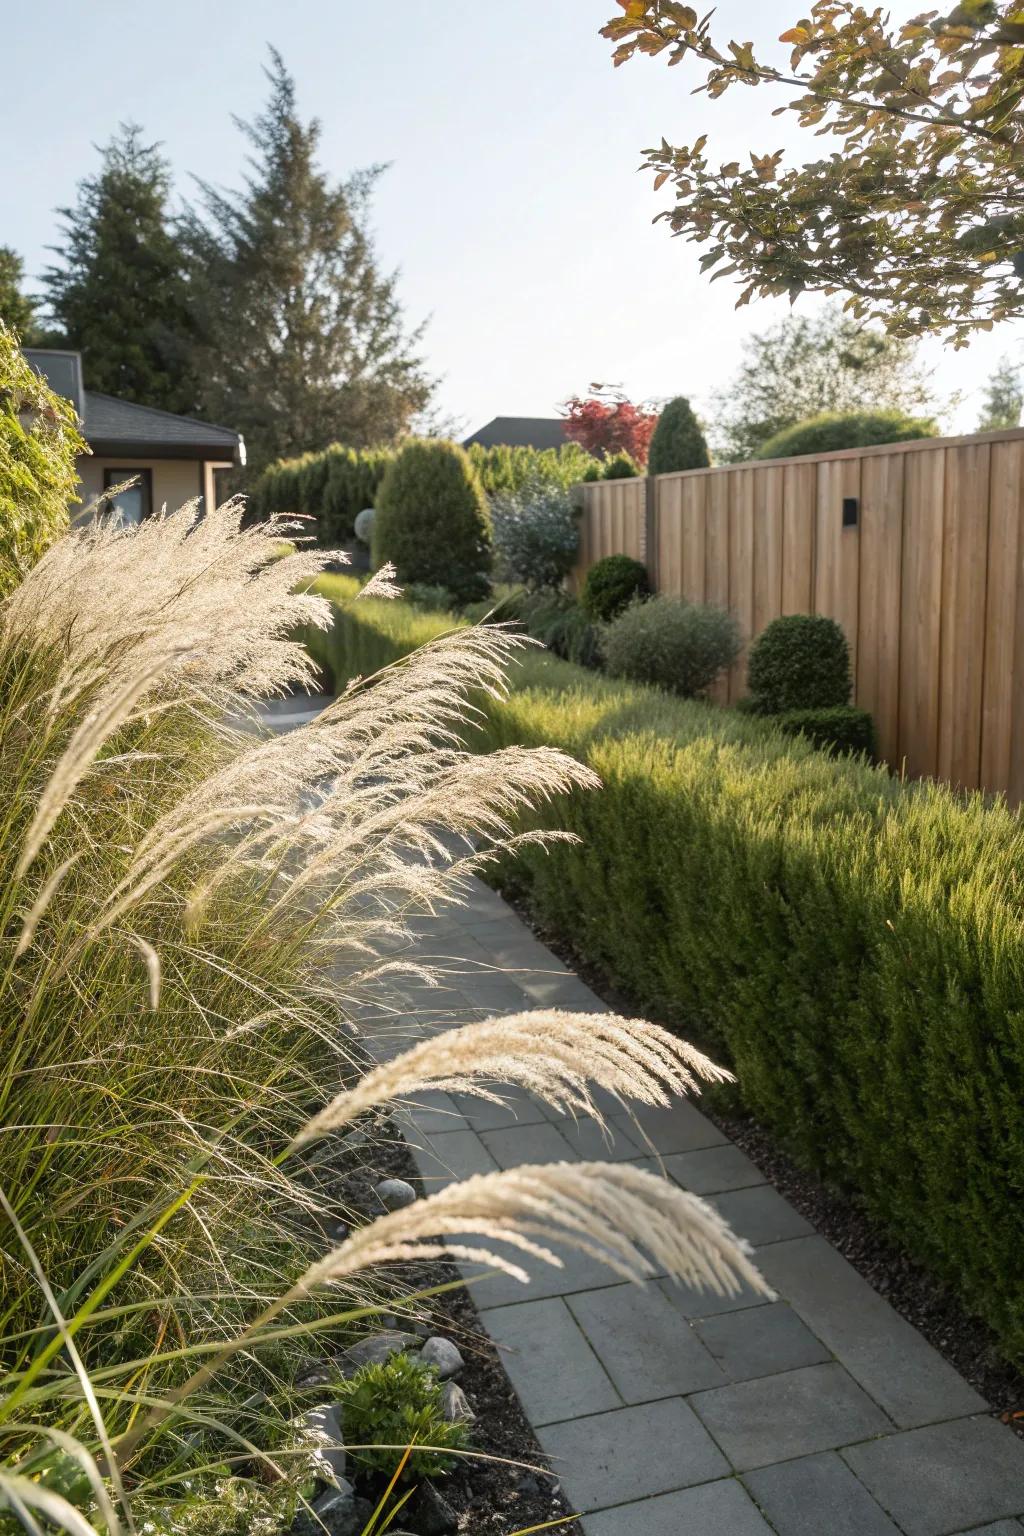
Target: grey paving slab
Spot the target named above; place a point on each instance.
(518, 1108)
(795, 1414)
(433, 1111)
(579, 1272)
(631, 1453)
(551, 1364)
(713, 1170)
(518, 1144)
(760, 1341)
(692, 1303)
(721, 1508)
(678, 1128)
(599, 1143)
(451, 1155)
(1000, 1528)
(944, 1478)
(648, 1348)
(565, 992)
(880, 1349)
(761, 1215)
(815, 1495)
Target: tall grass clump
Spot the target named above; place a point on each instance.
(190, 908)
(851, 945)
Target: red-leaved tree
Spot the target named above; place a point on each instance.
(604, 422)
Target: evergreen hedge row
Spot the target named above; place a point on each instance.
(851, 945)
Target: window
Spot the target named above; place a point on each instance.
(135, 502)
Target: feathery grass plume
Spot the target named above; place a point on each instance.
(636, 1222)
(382, 583)
(551, 1053)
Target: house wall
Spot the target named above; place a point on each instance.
(175, 481)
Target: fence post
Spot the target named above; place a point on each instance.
(651, 529)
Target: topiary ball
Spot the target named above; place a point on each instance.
(800, 661)
(364, 525)
(611, 584)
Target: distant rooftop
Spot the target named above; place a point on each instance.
(119, 428)
(521, 432)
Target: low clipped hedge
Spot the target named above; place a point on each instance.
(852, 945)
(843, 728)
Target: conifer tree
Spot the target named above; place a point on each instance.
(17, 310)
(119, 294)
(1003, 399)
(678, 442)
(303, 341)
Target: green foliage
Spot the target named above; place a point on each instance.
(39, 442)
(302, 340)
(808, 364)
(852, 945)
(620, 466)
(842, 728)
(678, 442)
(502, 468)
(915, 213)
(119, 294)
(1004, 399)
(612, 583)
(433, 521)
(332, 486)
(536, 534)
(677, 645)
(17, 310)
(395, 1403)
(799, 661)
(554, 618)
(829, 433)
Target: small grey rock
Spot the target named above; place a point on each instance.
(324, 1423)
(314, 1373)
(339, 1509)
(434, 1516)
(455, 1404)
(443, 1356)
(391, 1320)
(394, 1194)
(376, 1349)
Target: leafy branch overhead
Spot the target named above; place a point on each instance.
(917, 214)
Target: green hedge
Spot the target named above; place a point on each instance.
(852, 945)
(843, 728)
(832, 431)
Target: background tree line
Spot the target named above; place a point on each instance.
(263, 307)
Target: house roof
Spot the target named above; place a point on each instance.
(119, 428)
(521, 432)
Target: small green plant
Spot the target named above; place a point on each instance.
(830, 432)
(503, 468)
(611, 584)
(799, 661)
(840, 729)
(433, 521)
(673, 644)
(678, 442)
(621, 466)
(392, 1404)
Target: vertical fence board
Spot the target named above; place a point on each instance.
(881, 571)
(716, 554)
(741, 571)
(924, 479)
(837, 549)
(1002, 670)
(694, 531)
(962, 636)
(668, 522)
(800, 482)
(767, 602)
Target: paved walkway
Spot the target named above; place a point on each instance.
(664, 1412)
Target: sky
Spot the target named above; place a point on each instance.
(513, 205)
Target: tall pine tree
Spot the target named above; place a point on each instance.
(303, 340)
(119, 295)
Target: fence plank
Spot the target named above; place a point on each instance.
(881, 574)
(741, 571)
(767, 603)
(800, 484)
(837, 550)
(694, 532)
(716, 555)
(920, 619)
(1003, 681)
(669, 526)
(962, 640)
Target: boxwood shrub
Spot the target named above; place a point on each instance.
(611, 584)
(852, 945)
(678, 645)
(799, 661)
(842, 729)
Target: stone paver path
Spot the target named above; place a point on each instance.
(664, 1412)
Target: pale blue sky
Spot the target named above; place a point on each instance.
(513, 205)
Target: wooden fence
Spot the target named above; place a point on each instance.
(917, 549)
